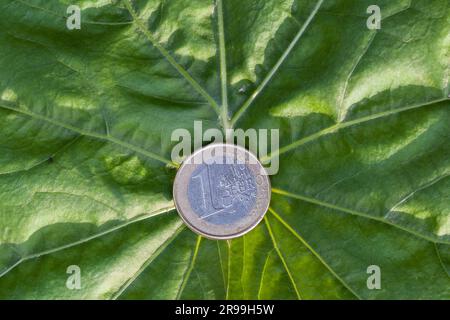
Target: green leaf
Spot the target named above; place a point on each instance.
(86, 120)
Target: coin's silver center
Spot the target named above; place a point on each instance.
(222, 193)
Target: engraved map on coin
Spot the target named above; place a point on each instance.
(222, 193)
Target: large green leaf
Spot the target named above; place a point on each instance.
(86, 118)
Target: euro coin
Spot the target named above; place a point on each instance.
(222, 191)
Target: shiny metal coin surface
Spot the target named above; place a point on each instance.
(222, 191)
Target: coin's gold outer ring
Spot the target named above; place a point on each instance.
(178, 180)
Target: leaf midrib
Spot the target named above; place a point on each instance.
(223, 67)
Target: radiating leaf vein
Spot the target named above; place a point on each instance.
(170, 59)
(89, 134)
(149, 261)
(283, 261)
(357, 213)
(339, 126)
(277, 66)
(87, 239)
(314, 252)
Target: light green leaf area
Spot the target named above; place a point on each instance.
(85, 145)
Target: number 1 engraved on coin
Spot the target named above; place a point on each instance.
(202, 187)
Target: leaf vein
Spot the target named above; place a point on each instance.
(280, 255)
(316, 254)
(87, 239)
(152, 258)
(40, 162)
(221, 267)
(190, 268)
(277, 66)
(223, 66)
(336, 127)
(91, 134)
(342, 113)
(183, 72)
(263, 272)
(356, 213)
(441, 262)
